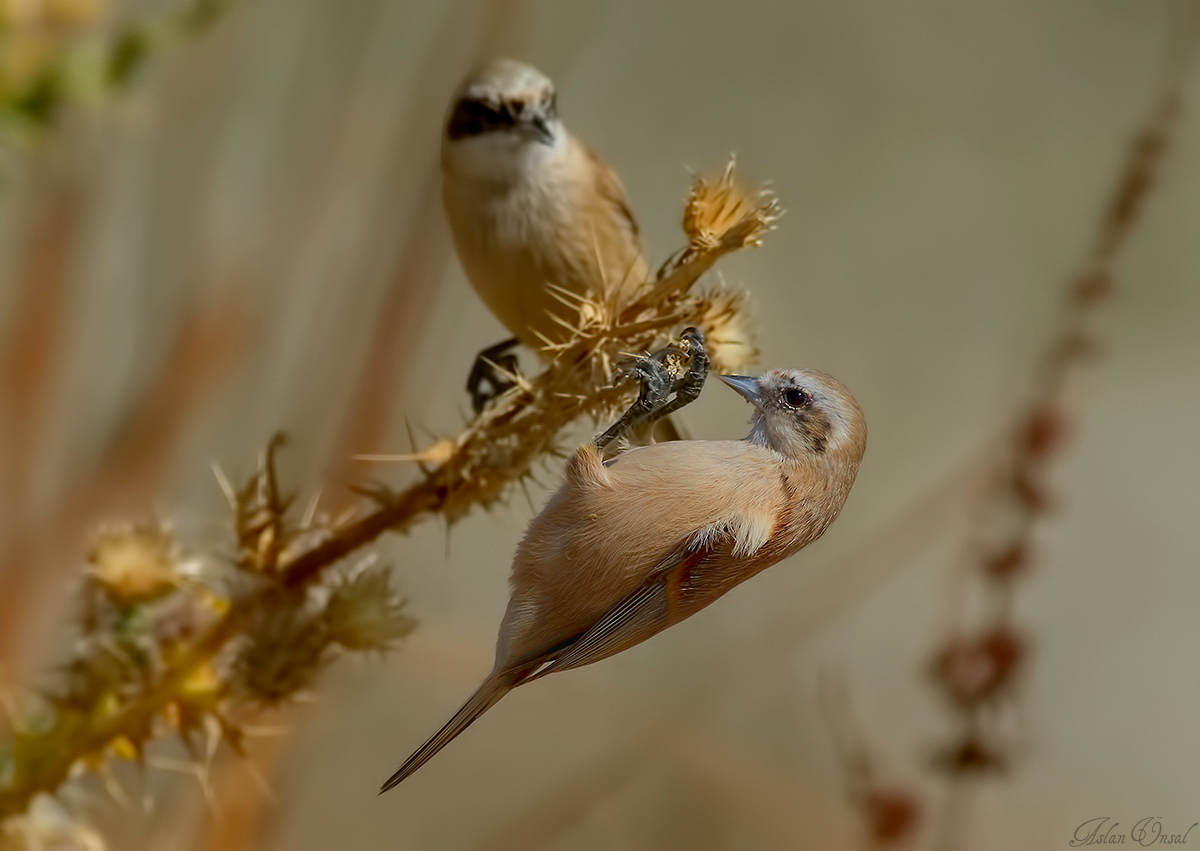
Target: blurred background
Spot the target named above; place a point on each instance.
(246, 235)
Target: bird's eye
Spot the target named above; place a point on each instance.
(552, 105)
(796, 398)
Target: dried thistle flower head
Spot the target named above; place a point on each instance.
(730, 337)
(721, 216)
(285, 650)
(724, 212)
(364, 613)
(135, 563)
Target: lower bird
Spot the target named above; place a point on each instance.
(630, 546)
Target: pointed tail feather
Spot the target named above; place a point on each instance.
(485, 697)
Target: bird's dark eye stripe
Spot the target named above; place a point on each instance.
(472, 117)
(796, 397)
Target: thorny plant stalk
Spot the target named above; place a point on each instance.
(176, 644)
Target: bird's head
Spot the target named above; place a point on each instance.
(803, 413)
(502, 117)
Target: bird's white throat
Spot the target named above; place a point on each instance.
(501, 157)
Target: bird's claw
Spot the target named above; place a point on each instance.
(493, 368)
(669, 378)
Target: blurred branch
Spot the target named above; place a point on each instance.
(175, 645)
(978, 670)
(978, 667)
(30, 356)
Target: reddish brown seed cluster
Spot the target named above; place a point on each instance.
(892, 815)
(975, 671)
(1008, 563)
(978, 668)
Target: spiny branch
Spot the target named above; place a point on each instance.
(201, 651)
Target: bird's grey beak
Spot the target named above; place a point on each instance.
(538, 126)
(745, 385)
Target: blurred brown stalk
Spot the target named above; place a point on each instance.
(979, 666)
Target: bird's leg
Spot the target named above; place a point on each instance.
(687, 386)
(653, 393)
(670, 378)
(489, 368)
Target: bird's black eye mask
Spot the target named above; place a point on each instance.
(473, 117)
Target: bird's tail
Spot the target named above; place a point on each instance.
(485, 697)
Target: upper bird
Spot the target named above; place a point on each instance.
(531, 207)
(631, 546)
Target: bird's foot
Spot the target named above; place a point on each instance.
(689, 369)
(491, 374)
(669, 378)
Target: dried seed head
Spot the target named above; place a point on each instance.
(893, 815)
(135, 563)
(723, 213)
(364, 613)
(971, 671)
(284, 652)
(725, 318)
(1043, 432)
(1009, 562)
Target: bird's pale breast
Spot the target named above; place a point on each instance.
(548, 226)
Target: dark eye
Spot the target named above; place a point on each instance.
(552, 106)
(796, 397)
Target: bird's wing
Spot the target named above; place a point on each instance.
(608, 187)
(676, 588)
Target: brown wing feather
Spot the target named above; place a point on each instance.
(676, 588)
(609, 187)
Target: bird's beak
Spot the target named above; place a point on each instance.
(745, 385)
(539, 128)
